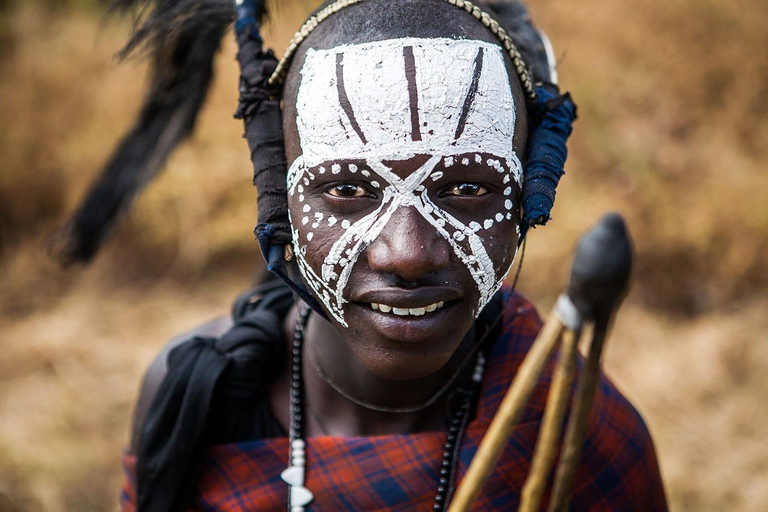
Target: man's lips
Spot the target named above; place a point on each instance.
(417, 298)
(399, 326)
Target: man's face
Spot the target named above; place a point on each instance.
(404, 203)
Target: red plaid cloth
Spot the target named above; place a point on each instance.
(618, 469)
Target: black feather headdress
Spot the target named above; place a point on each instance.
(181, 39)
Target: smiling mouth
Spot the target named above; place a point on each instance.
(418, 311)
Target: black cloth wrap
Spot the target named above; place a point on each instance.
(259, 108)
(551, 117)
(260, 111)
(204, 374)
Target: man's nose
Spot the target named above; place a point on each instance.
(408, 246)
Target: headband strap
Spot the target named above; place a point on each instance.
(278, 77)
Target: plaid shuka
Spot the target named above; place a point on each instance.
(618, 469)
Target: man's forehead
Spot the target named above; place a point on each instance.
(402, 97)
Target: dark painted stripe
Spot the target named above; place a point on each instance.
(471, 93)
(413, 92)
(344, 99)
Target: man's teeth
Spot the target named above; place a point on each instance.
(407, 311)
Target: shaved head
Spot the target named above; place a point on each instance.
(376, 20)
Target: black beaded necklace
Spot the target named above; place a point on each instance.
(299, 496)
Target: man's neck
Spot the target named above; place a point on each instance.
(344, 398)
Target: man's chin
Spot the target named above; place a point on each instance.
(412, 359)
(403, 366)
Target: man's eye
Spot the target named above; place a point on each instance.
(467, 189)
(347, 190)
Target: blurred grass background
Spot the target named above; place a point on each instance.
(673, 130)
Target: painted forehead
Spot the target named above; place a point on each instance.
(403, 97)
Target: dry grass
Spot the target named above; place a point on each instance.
(674, 123)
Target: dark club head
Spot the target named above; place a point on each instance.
(601, 268)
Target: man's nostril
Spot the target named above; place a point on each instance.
(408, 254)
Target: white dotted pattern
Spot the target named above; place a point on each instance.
(465, 241)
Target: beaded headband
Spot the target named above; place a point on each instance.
(278, 77)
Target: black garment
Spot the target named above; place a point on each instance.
(213, 392)
(242, 416)
(242, 412)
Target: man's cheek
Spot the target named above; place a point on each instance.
(502, 251)
(319, 241)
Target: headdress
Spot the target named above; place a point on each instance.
(182, 37)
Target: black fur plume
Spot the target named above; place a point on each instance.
(181, 38)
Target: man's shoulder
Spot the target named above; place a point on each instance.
(619, 463)
(518, 311)
(618, 426)
(521, 325)
(158, 368)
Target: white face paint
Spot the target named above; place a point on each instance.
(394, 100)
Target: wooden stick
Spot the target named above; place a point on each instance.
(552, 424)
(578, 423)
(509, 413)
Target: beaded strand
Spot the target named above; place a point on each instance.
(298, 495)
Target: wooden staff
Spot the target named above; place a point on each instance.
(604, 258)
(577, 428)
(551, 427)
(599, 282)
(509, 412)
